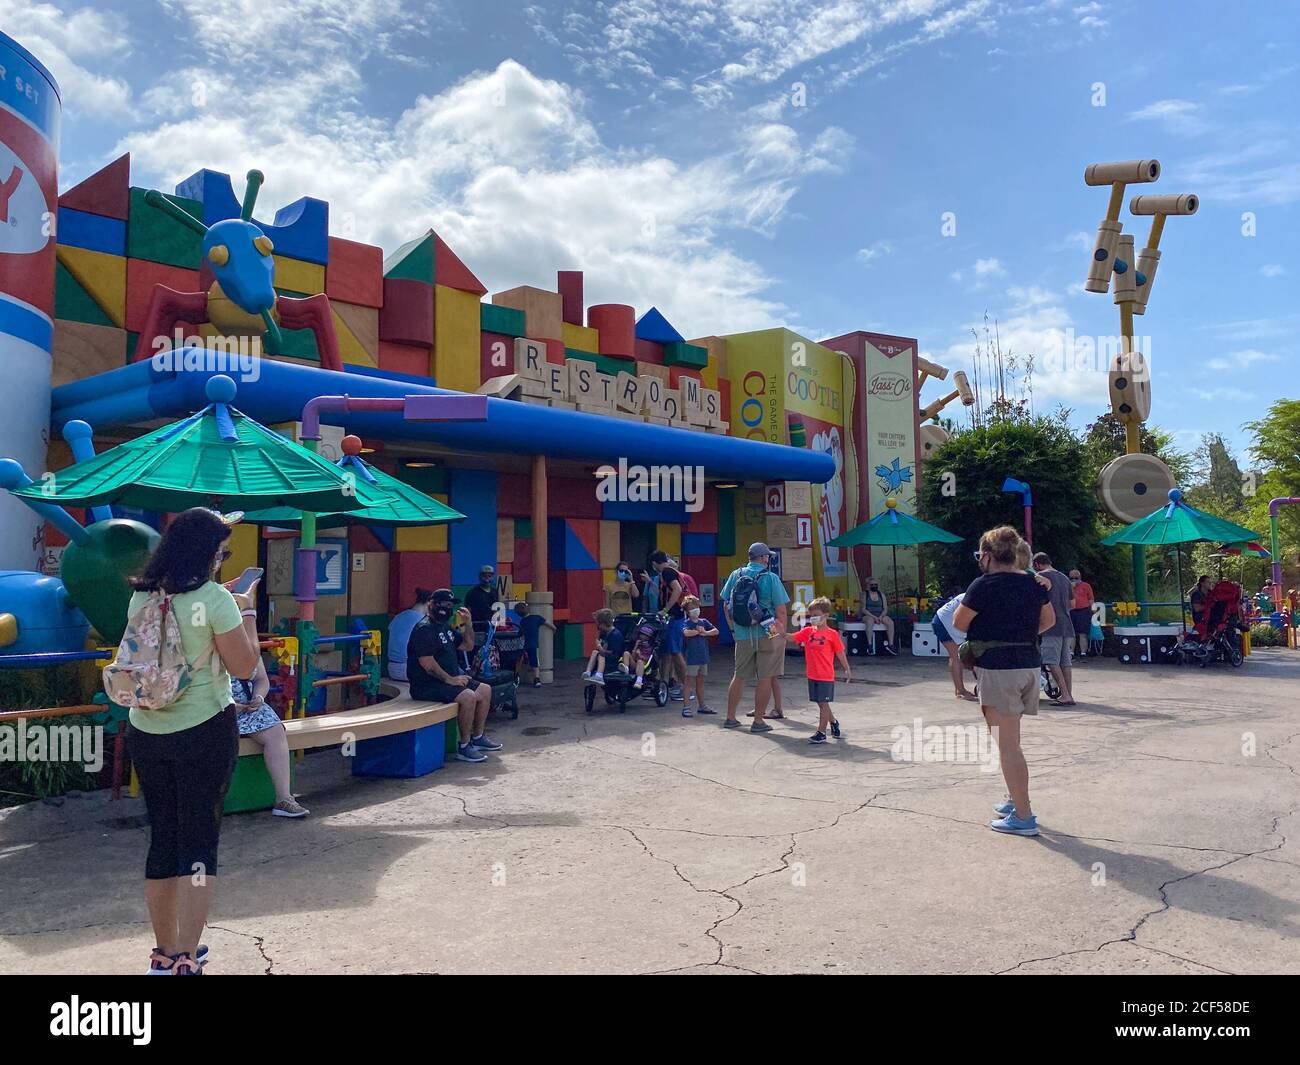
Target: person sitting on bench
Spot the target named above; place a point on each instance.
(436, 675)
(875, 610)
(263, 726)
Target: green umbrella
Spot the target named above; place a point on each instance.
(216, 455)
(892, 528)
(405, 505)
(1177, 523)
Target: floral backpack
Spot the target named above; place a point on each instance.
(150, 669)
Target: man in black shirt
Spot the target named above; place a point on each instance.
(482, 598)
(671, 591)
(437, 674)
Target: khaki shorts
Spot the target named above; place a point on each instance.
(1008, 691)
(761, 658)
(697, 669)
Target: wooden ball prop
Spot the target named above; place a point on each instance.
(932, 436)
(1130, 388)
(1132, 486)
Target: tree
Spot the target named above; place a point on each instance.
(962, 492)
(1276, 446)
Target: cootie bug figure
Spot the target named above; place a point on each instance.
(241, 301)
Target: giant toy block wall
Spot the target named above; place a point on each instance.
(422, 314)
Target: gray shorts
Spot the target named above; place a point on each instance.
(1056, 650)
(1008, 691)
(697, 669)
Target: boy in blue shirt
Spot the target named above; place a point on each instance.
(696, 635)
(530, 626)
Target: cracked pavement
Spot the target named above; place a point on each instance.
(649, 843)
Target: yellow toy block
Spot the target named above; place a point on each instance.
(580, 338)
(103, 276)
(717, 365)
(668, 537)
(456, 356)
(299, 276)
(521, 591)
(610, 533)
(242, 546)
(543, 310)
(361, 326)
(505, 539)
(425, 537)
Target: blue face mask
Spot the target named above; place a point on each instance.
(624, 575)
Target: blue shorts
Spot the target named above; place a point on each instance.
(531, 654)
(675, 639)
(821, 691)
(940, 633)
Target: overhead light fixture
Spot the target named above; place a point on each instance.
(413, 464)
(726, 484)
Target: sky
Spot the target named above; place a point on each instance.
(910, 167)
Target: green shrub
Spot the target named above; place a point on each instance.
(1264, 635)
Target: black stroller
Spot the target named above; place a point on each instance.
(648, 632)
(490, 667)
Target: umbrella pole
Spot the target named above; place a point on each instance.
(894, 550)
(1178, 579)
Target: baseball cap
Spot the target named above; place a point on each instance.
(758, 550)
(444, 595)
(486, 569)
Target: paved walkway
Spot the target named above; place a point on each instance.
(649, 843)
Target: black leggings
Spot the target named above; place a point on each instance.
(185, 776)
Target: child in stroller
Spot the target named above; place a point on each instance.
(645, 635)
(497, 670)
(1214, 637)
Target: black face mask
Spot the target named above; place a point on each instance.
(442, 612)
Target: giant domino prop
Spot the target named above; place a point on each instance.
(1131, 486)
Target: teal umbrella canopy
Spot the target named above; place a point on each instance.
(892, 528)
(404, 506)
(1178, 523)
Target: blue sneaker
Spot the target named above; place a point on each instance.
(1016, 826)
(485, 744)
(1004, 808)
(467, 752)
(817, 737)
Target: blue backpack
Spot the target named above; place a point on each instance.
(745, 607)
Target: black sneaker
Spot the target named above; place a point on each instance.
(817, 737)
(889, 650)
(835, 729)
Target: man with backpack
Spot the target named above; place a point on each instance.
(754, 599)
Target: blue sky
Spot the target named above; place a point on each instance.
(746, 163)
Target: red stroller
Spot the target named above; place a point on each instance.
(1214, 636)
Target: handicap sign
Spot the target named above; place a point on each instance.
(331, 567)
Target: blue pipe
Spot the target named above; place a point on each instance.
(78, 435)
(341, 638)
(282, 390)
(14, 477)
(53, 658)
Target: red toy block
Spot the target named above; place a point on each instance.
(704, 568)
(106, 192)
(450, 271)
(649, 351)
(583, 592)
(361, 539)
(405, 358)
(587, 530)
(523, 571)
(573, 497)
(409, 570)
(355, 273)
(55, 537)
(407, 314)
(675, 375)
(705, 520)
(616, 324)
(514, 495)
(141, 278)
(724, 394)
(555, 351)
(568, 283)
(496, 355)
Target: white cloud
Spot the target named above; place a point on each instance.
(69, 42)
(1239, 360)
(1177, 116)
(988, 268)
(1220, 395)
(874, 251)
(1272, 270)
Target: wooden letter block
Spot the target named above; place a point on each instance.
(798, 497)
(582, 381)
(627, 393)
(711, 405)
(783, 532)
(556, 379)
(653, 389)
(530, 358)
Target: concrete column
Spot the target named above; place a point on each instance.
(541, 600)
(541, 604)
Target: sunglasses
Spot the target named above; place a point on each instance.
(224, 556)
(978, 555)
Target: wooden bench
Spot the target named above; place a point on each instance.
(389, 739)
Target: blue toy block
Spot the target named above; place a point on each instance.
(656, 511)
(705, 544)
(385, 534)
(77, 229)
(564, 549)
(473, 542)
(300, 230)
(655, 327)
(405, 754)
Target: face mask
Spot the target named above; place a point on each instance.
(624, 575)
(486, 582)
(817, 619)
(694, 612)
(442, 612)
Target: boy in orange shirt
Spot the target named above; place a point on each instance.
(821, 647)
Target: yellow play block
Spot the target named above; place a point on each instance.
(610, 536)
(456, 357)
(423, 537)
(102, 275)
(668, 537)
(357, 329)
(580, 338)
(299, 276)
(505, 540)
(242, 546)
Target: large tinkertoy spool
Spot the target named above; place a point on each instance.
(932, 437)
(1132, 486)
(1103, 256)
(1130, 388)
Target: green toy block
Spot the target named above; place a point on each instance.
(251, 787)
(297, 344)
(159, 238)
(691, 356)
(73, 303)
(726, 522)
(413, 261)
(523, 528)
(431, 479)
(505, 320)
(451, 730)
(568, 641)
(132, 339)
(603, 363)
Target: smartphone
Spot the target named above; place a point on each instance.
(247, 579)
